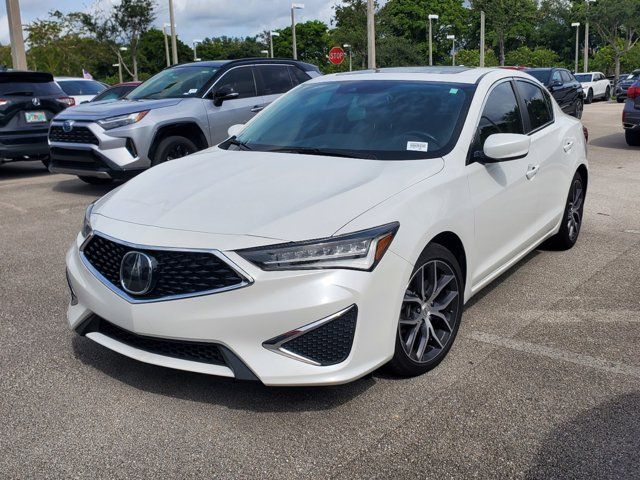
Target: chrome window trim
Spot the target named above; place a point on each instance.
(247, 280)
(275, 344)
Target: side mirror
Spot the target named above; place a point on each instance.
(501, 147)
(222, 94)
(235, 129)
(555, 84)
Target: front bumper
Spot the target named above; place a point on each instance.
(114, 154)
(242, 320)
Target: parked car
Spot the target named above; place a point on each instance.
(80, 89)
(179, 111)
(624, 84)
(116, 92)
(594, 85)
(631, 115)
(340, 230)
(563, 86)
(28, 102)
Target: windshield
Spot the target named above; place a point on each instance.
(634, 75)
(379, 119)
(583, 78)
(81, 87)
(177, 82)
(541, 75)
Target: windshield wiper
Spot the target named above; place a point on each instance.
(324, 151)
(239, 144)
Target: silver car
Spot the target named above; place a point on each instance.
(179, 111)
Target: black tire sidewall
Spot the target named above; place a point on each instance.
(401, 364)
(167, 143)
(562, 240)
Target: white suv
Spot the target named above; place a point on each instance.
(594, 85)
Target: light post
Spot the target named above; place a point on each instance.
(265, 52)
(577, 25)
(371, 35)
(586, 37)
(166, 44)
(172, 24)
(122, 49)
(271, 35)
(348, 47)
(119, 65)
(195, 52)
(294, 7)
(453, 50)
(431, 17)
(482, 22)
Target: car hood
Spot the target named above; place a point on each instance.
(99, 110)
(271, 195)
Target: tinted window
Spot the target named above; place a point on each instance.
(30, 89)
(113, 93)
(383, 119)
(273, 79)
(584, 77)
(240, 79)
(537, 103)
(566, 76)
(298, 76)
(81, 87)
(541, 75)
(557, 76)
(177, 82)
(501, 113)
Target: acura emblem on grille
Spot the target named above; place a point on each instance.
(67, 126)
(35, 101)
(136, 272)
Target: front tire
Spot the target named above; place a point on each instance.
(607, 94)
(173, 147)
(578, 108)
(619, 99)
(632, 137)
(430, 313)
(567, 236)
(589, 98)
(96, 180)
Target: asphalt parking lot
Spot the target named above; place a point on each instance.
(543, 381)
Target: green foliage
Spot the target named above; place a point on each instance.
(471, 58)
(604, 60)
(5, 56)
(351, 28)
(539, 57)
(312, 42)
(152, 56)
(227, 48)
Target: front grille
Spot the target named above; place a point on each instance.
(76, 135)
(177, 273)
(185, 350)
(328, 344)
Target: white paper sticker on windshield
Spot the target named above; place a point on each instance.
(192, 90)
(418, 146)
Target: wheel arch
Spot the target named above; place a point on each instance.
(453, 243)
(190, 130)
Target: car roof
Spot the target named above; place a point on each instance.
(434, 74)
(57, 79)
(252, 60)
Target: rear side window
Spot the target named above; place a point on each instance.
(273, 79)
(566, 77)
(537, 103)
(556, 77)
(298, 76)
(241, 80)
(30, 89)
(501, 113)
(81, 87)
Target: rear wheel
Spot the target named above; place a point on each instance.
(619, 99)
(578, 108)
(589, 98)
(607, 94)
(46, 161)
(95, 180)
(173, 147)
(632, 137)
(430, 313)
(572, 217)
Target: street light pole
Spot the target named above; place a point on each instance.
(195, 52)
(294, 7)
(371, 35)
(166, 44)
(482, 21)
(348, 46)
(174, 43)
(453, 51)
(586, 38)
(18, 56)
(271, 35)
(119, 65)
(431, 17)
(122, 49)
(577, 25)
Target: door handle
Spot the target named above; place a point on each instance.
(257, 108)
(532, 170)
(568, 145)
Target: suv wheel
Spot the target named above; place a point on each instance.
(430, 313)
(632, 137)
(577, 109)
(96, 180)
(607, 94)
(173, 147)
(589, 98)
(46, 161)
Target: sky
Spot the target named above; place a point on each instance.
(195, 19)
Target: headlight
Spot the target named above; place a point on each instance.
(86, 225)
(360, 251)
(122, 120)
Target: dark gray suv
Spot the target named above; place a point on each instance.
(179, 111)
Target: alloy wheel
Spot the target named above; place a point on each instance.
(574, 210)
(429, 311)
(179, 150)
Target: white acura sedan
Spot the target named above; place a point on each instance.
(342, 229)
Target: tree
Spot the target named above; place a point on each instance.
(471, 58)
(507, 19)
(539, 57)
(312, 42)
(618, 23)
(5, 56)
(229, 48)
(350, 20)
(151, 56)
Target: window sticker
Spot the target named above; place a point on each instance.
(453, 91)
(418, 146)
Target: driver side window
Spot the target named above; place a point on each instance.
(501, 114)
(240, 79)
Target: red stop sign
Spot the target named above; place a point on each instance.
(336, 55)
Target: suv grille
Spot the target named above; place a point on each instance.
(76, 135)
(185, 350)
(328, 344)
(177, 273)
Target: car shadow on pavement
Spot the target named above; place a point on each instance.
(75, 185)
(26, 169)
(235, 394)
(603, 442)
(614, 140)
